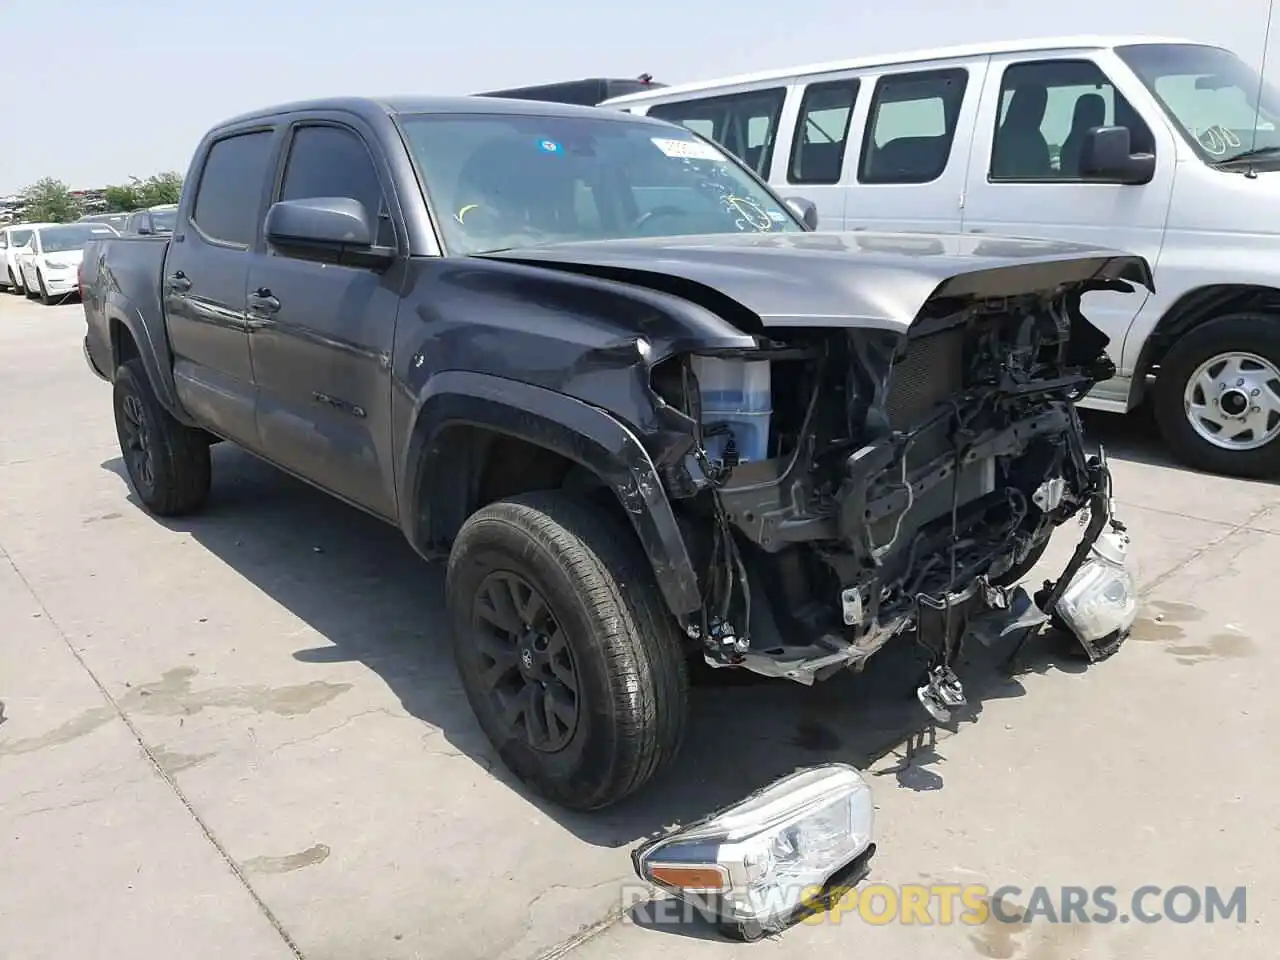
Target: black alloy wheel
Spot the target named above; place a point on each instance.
(135, 444)
(527, 666)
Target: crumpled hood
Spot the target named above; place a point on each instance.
(856, 279)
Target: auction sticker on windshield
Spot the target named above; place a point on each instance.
(687, 149)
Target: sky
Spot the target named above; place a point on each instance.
(129, 86)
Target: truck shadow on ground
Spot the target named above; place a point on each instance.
(355, 581)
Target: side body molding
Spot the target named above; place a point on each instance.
(582, 433)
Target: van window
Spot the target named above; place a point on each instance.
(912, 126)
(822, 131)
(229, 197)
(1046, 108)
(745, 124)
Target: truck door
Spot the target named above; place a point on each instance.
(203, 284)
(322, 331)
(1024, 175)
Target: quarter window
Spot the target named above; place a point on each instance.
(745, 124)
(1046, 110)
(822, 132)
(229, 197)
(912, 126)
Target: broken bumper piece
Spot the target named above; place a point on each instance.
(1095, 598)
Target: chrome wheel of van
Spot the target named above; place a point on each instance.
(1232, 401)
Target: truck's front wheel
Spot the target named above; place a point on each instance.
(566, 652)
(1217, 396)
(167, 462)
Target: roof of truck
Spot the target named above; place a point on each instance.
(370, 107)
(988, 48)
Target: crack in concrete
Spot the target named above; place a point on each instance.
(160, 771)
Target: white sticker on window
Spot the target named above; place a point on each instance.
(687, 149)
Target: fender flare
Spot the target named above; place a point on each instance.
(156, 357)
(578, 431)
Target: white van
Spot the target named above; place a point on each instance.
(1158, 147)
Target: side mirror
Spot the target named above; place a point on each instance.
(1105, 157)
(806, 210)
(338, 225)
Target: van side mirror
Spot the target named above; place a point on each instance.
(806, 210)
(1105, 157)
(334, 225)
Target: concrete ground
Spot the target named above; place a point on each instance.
(241, 735)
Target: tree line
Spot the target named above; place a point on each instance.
(49, 200)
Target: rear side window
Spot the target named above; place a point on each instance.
(230, 193)
(822, 132)
(745, 124)
(912, 126)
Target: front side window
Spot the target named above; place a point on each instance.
(329, 161)
(745, 124)
(822, 132)
(912, 126)
(19, 238)
(1047, 108)
(1216, 100)
(164, 221)
(229, 197)
(497, 181)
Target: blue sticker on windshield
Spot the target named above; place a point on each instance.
(550, 146)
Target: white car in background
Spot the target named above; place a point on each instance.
(13, 239)
(50, 261)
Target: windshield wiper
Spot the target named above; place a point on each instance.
(1253, 154)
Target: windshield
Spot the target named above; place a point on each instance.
(1211, 95)
(164, 220)
(500, 181)
(72, 237)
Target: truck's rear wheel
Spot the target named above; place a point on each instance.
(167, 462)
(1217, 396)
(567, 654)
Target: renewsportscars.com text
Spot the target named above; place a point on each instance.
(938, 904)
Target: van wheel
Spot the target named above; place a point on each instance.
(167, 462)
(1217, 396)
(565, 650)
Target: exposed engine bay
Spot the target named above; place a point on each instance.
(873, 484)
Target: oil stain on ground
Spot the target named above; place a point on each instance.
(1163, 619)
(317, 853)
(172, 696)
(1221, 646)
(171, 762)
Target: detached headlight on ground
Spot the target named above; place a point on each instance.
(760, 865)
(1101, 599)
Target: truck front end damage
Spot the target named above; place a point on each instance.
(842, 486)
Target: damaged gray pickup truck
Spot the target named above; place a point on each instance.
(645, 409)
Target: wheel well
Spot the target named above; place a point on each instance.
(1199, 306)
(123, 346)
(479, 466)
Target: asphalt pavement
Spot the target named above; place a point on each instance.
(241, 735)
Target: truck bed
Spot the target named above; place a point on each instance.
(130, 287)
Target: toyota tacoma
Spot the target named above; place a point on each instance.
(649, 413)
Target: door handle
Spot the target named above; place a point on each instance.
(179, 282)
(261, 301)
